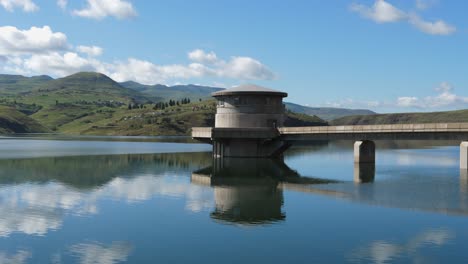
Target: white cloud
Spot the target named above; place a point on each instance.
(99, 9)
(62, 4)
(31, 41)
(58, 64)
(380, 12)
(407, 101)
(90, 50)
(26, 5)
(201, 56)
(242, 68)
(444, 87)
(42, 51)
(445, 99)
(425, 4)
(355, 104)
(438, 27)
(383, 12)
(149, 73)
(245, 68)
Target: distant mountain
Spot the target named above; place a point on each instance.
(15, 84)
(404, 118)
(327, 113)
(176, 92)
(88, 86)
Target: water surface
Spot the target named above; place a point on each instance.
(105, 201)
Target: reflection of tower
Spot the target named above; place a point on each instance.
(246, 189)
(248, 203)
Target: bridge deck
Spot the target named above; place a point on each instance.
(430, 131)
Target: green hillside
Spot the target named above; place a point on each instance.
(143, 120)
(298, 119)
(84, 86)
(404, 118)
(327, 113)
(13, 121)
(15, 84)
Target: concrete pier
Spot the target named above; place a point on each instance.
(464, 155)
(463, 181)
(364, 172)
(364, 151)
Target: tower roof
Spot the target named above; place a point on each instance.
(249, 89)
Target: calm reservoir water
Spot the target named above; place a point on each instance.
(108, 200)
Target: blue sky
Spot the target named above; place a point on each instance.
(388, 56)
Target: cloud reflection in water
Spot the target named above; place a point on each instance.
(36, 194)
(89, 253)
(386, 252)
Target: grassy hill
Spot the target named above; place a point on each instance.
(327, 113)
(404, 118)
(16, 84)
(13, 121)
(176, 92)
(84, 86)
(297, 119)
(144, 120)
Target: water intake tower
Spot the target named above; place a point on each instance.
(246, 123)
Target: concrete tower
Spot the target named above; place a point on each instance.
(246, 122)
(249, 106)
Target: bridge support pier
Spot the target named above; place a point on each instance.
(364, 151)
(249, 148)
(464, 155)
(364, 172)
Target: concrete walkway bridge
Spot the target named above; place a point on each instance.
(271, 142)
(249, 123)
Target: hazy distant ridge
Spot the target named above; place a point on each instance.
(327, 113)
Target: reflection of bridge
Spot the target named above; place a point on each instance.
(250, 191)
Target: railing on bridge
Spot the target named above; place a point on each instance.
(400, 128)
